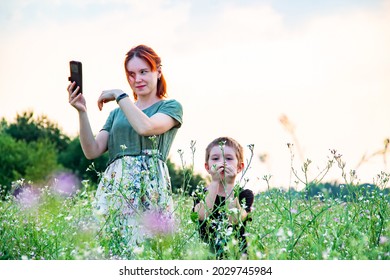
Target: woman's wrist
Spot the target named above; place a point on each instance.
(121, 96)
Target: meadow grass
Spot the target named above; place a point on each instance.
(44, 223)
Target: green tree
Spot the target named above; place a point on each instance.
(29, 149)
(29, 129)
(73, 158)
(33, 161)
(42, 160)
(183, 178)
(13, 161)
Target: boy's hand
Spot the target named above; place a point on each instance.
(223, 173)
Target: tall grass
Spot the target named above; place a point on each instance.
(45, 223)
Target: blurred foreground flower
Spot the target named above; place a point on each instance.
(158, 223)
(66, 184)
(27, 196)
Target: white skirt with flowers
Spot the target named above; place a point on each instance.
(130, 187)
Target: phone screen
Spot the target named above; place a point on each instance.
(76, 74)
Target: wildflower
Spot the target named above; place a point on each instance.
(325, 254)
(229, 231)
(66, 184)
(123, 147)
(68, 218)
(158, 223)
(263, 158)
(293, 211)
(383, 239)
(281, 235)
(138, 250)
(27, 197)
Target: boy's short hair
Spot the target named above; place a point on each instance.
(226, 141)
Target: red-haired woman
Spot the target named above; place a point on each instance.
(138, 136)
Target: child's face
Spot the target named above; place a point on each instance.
(224, 163)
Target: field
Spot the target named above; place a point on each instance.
(54, 224)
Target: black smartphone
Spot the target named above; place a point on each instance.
(76, 74)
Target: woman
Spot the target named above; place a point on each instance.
(138, 136)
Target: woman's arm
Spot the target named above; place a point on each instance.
(145, 126)
(92, 147)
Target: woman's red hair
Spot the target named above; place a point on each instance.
(149, 55)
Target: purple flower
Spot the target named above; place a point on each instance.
(27, 196)
(158, 223)
(66, 184)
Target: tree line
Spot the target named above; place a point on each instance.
(34, 148)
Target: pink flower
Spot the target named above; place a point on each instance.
(28, 196)
(158, 223)
(383, 239)
(66, 184)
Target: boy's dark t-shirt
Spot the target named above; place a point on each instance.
(210, 230)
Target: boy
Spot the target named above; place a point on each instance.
(223, 211)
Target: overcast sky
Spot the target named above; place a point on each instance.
(236, 66)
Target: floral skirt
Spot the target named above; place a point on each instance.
(132, 186)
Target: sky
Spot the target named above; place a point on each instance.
(237, 67)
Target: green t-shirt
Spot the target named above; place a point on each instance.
(122, 133)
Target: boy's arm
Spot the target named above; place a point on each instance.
(205, 208)
(238, 213)
(241, 214)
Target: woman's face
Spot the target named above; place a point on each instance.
(142, 80)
